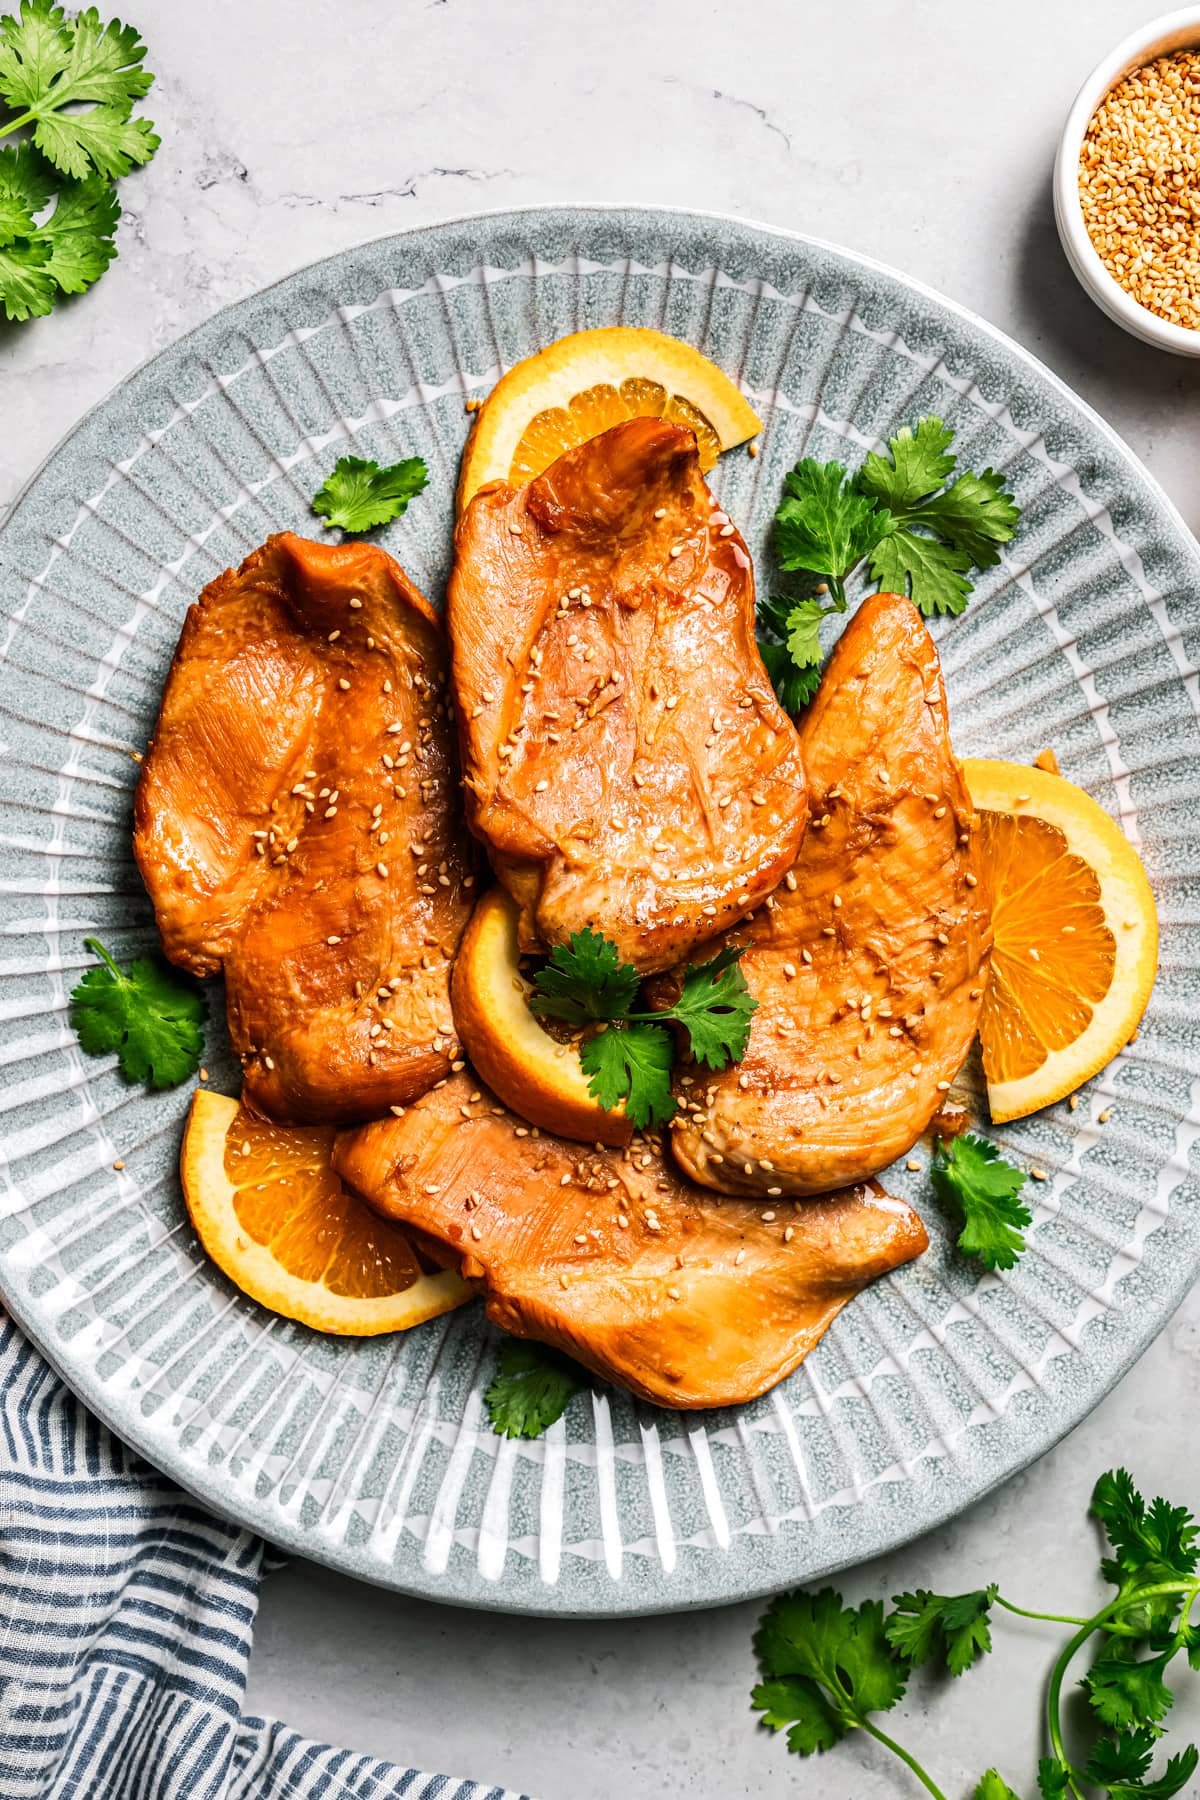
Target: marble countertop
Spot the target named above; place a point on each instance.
(921, 135)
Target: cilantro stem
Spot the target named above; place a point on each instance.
(97, 949)
(899, 1750)
(1053, 1618)
(11, 125)
(1133, 1597)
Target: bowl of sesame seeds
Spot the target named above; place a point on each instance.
(1127, 183)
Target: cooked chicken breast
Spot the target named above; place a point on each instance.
(625, 758)
(869, 964)
(685, 1300)
(297, 824)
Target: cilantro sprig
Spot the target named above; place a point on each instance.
(828, 1668)
(918, 536)
(971, 1177)
(67, 92)
(151, 1017)
(359, 495)
(630, 1054)
(532, 1387)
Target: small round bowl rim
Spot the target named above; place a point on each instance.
(1178, 30)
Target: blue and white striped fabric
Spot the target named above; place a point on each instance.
(126, 1617)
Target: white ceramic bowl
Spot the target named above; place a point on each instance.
(1174, 31)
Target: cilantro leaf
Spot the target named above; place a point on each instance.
(952, 1625)
(151, 1017)
(794, 682)
(78, 235)
(994, 1787)
(794, 687)
(919, 464)
(1152, 1544)
(970, 1176)
(359, 495)
(803, 632)
(936, 537)
(532, 1387)
(26, 288)
(75, 81)
(25, 188)
(827, 1667)
(715, 1009)
(930, 573)
(1053, 1779)
(1127, 1692)
(975, 515)
(632, 1063)
(823, 524)
(1122, 1764)
(583, 980)
(795, 1701)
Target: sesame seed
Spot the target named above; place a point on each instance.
(1039, 1174)
(333, 940)
(675, 550)
(768, 1218)
(540, 787)
(1105, 1116)
(943, 1087)
(971, 880)
(913, 1164)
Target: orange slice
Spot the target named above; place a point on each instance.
(272, 1214)
(1076, 936)
(581, 385)
(532, 1072)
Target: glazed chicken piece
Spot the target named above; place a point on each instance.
(869, 964)
(626, 761)
(685, 1300)
(297, 824)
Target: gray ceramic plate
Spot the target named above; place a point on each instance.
(375, 1456)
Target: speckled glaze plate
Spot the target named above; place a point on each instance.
(375, 1456)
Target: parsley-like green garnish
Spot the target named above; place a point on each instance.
(826, 1665)
(151, 1018)
(632, 1064)
(969, 1174)
(920, 538)
(953, 1626)
(829, 1668)
(69, 86)
(532, 1387)
(359, 495)
(584, 982)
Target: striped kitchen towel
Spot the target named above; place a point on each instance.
(126, 1617)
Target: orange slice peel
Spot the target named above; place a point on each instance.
(1076, 936)
(591, 380)
(274, 1217)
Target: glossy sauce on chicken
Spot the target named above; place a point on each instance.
(686, 1300)
(626, 761)
(869, 963)
(298, 825)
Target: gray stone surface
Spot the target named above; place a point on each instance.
(921, 135)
